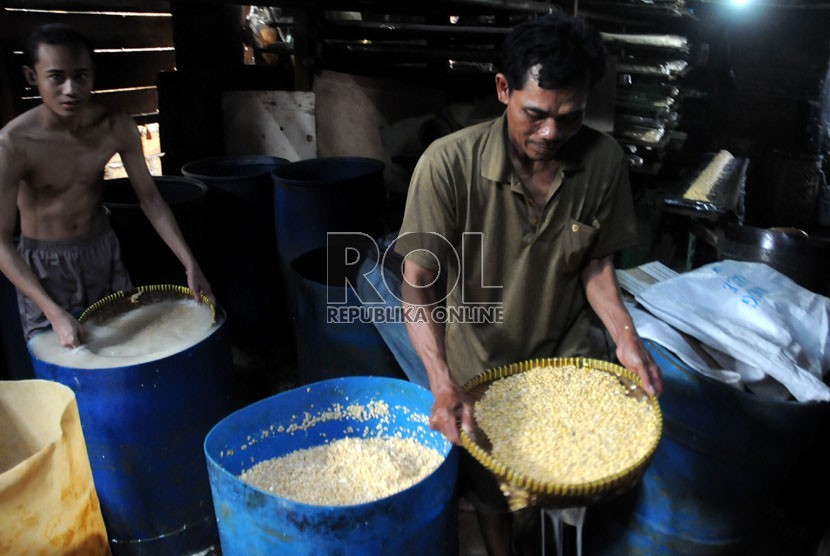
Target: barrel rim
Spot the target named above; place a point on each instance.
(177, 180)
(192, 169)
(219, 324)
(375, 166)
(450, 459)
(450, 455)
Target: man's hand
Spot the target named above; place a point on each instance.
(451, 404)
(199, 285)
(634, 356)
(70, 332)
(603, 294)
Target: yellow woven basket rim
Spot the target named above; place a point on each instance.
(185, 291)
(588, 489)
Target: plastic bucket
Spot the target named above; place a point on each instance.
(419, 520)
(144, 426)
(244, 270)
(333, 344)
(147, 258)
(724, 457)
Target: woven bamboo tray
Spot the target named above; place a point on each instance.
(121, 302)
(522, 491)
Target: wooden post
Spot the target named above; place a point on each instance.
(208, 41)
(7, 105)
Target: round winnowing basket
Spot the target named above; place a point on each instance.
(521, 490)
(120, 302)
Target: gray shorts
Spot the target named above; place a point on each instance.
(75, 273)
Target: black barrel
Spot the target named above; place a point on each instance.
(331, 342)
(791, 182)
(15, 363)
(244, 269)
(806, 260)
(147, 258)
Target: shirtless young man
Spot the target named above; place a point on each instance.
(51, 168)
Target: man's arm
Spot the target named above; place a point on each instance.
(603, 293)
(427, 336)
(154, 207)
(69, 331)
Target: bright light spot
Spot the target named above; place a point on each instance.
(740, 3)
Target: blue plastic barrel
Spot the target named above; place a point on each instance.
(330, 343)
(320, 195)
(724, 457)
(417, 521)
(144, 425)
(243, 267)
(147, 258)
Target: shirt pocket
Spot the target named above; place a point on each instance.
(577, 241)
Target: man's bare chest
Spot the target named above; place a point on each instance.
(63, 162)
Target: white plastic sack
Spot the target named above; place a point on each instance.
(651, 328)
(755, 314)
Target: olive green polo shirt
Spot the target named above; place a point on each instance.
(468, 215)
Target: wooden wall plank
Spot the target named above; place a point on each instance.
(152, 6)
(142, 101)
(132, 31)
(118, 70)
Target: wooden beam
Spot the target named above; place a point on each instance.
(142, 101)
(7, 107)
(410, 6)
(206, 36)
(119, 70)
(136, 31)
(304, 59)
(91, 5)
(398, 31)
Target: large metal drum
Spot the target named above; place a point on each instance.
(144, 425)
(416, 521)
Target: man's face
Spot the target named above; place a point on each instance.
(63, 76)
(540, 121)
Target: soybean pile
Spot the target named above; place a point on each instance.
(362, 467)
(566, 425)
(347, 471)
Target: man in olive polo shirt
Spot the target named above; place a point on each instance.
(524, 213)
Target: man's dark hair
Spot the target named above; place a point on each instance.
(569, 50)
(54, 34)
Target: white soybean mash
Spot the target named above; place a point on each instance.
(146, 333)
